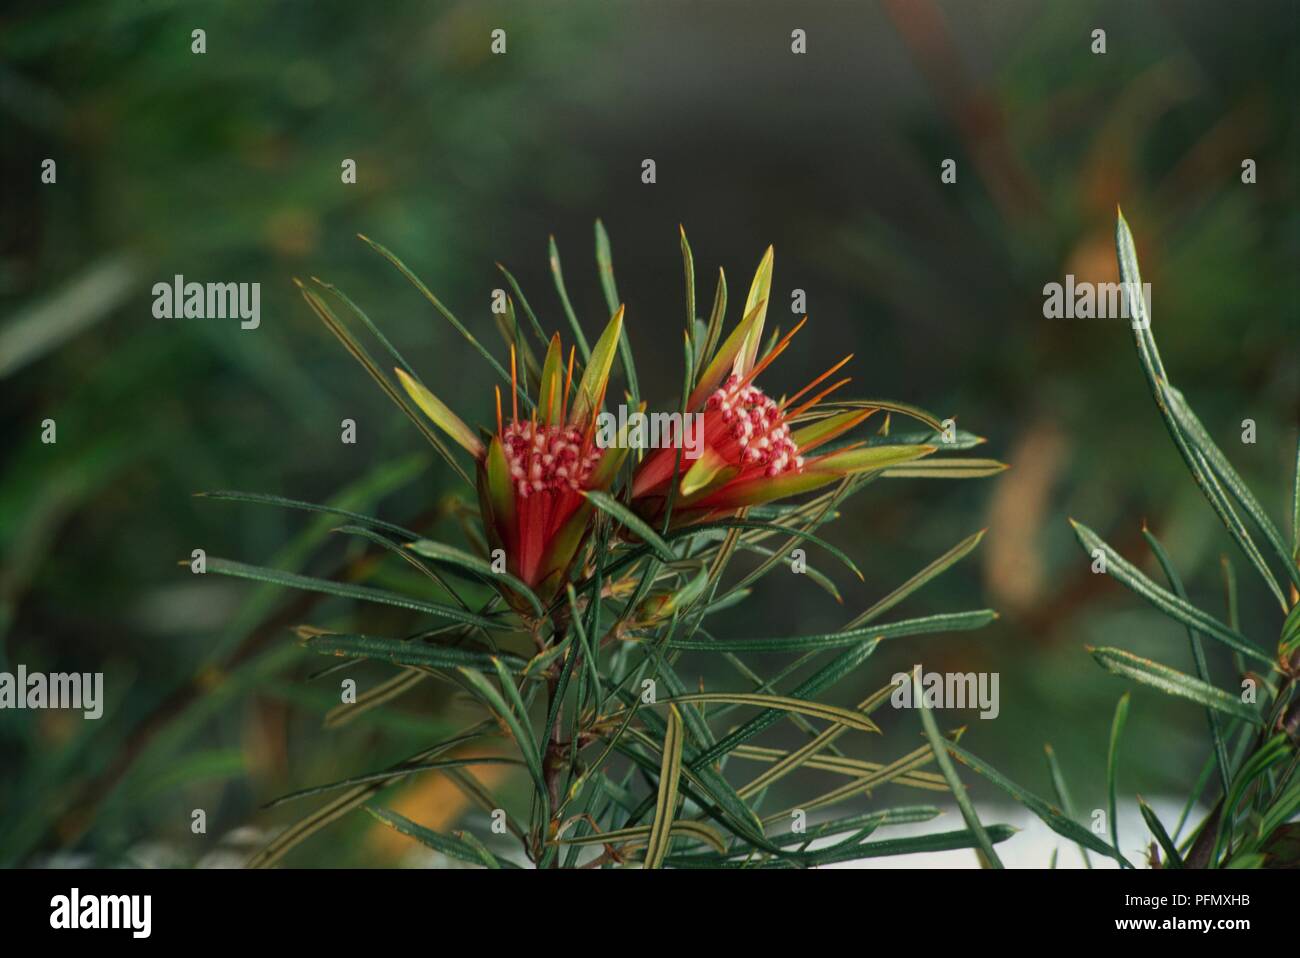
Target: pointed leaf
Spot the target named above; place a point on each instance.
(760, 290)
(1129, 575)
(442, 416)
(706, 471)
(550, 390)
(453, 556)
(1173, 682)
(944, 622)
(726, 356)
(634, 523)
(596, 376)
(666, 802)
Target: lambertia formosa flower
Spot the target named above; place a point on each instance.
(533, 471)
(751, 453)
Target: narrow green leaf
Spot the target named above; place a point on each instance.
(1051, 816)
(939, 565)
(903, 770)
(336, 808)
(523, 303)
(688, 265)
(1198, 657)
(451, 847)
(1158, 381)
(830, 713)
(913, 845)
(945, 468)
(843, 664)
(634, 523)
(1063, 795)
(769, 528)
(1199, 438)
(605, 265)
(1112, 765)
(760, 293)
(947, 622)
(554, 255)
(640, 834)
(388, 775)
(453, 556)
(523, 737)
(412, 654)
(1172, 858)
(437, 304)
(855, 823)
(269, 500)
(666, 803)
(1126, 573)
(360, 354)
(805, 756)
(1276, 749)
(595, 378)
(1295, 508)
(939, 746)
(440, 414)
(345, 590)
(713, 333)
(1173, 682)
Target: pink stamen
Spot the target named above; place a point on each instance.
(547, 458)
(757, 425)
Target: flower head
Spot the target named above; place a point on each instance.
(534, 470)
(753, 453)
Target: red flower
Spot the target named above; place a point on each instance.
(751, 452)
(533, 472)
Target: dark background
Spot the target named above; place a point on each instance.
(225, 166)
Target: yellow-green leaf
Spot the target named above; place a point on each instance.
(596, 375)
(670, 772)
(759, 293)
(441, 415)
(550, 391)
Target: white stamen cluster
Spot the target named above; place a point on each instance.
(758, 425)
(546, 458)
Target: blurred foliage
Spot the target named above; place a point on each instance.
(226, 165)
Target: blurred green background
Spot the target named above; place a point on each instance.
(226, 166)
